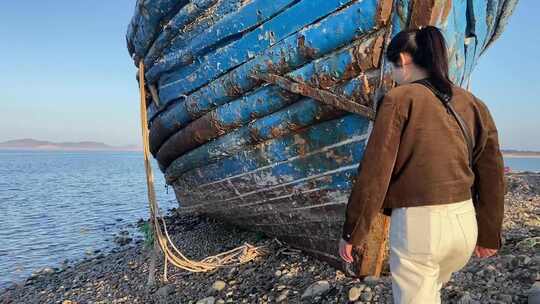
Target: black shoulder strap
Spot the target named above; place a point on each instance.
(445, 99)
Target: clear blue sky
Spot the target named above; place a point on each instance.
(65, 74)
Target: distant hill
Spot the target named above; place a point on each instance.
(513, 152)
(32, 144)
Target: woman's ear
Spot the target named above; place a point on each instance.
(405, 58)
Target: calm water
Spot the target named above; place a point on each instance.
(58, 205)
(523, 164)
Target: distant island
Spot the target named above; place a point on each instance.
(519, 153)
(33, 144)
(43, 145)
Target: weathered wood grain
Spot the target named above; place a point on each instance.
(257, 155)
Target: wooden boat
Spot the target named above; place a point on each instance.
(238, 105)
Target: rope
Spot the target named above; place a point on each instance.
(172, 254)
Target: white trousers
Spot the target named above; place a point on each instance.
(428, 244)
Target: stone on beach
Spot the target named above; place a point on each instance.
(207, 300)
(219, 285)
(316, 289)
(120, 276)
(355, 292)
(534, 293)
(165, 291)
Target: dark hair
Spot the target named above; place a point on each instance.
(427, 47)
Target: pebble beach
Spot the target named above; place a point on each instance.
(284, 274)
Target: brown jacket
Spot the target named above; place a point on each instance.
(417, 155)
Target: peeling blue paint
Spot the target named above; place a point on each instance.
(186, 15)
(150, 14)
(238, 52)
(215, 94)
(247, 17)
(298, 150)
(350, 22)
(251, 153)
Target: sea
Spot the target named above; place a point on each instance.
(59, 207)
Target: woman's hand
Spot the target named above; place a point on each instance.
(483, 252)
(345, 251)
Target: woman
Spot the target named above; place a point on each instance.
(416, 165)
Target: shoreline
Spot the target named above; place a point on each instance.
(514, 155)
(125, 235)
(284, 275)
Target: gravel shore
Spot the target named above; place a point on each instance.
(285, 275)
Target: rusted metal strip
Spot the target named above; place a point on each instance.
(387, 10)
(384, 10)
(430, 12)
(323, 96)
(421, 13)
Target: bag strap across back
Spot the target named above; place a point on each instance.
(445, 99)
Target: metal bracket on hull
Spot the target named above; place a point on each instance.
(324, 96)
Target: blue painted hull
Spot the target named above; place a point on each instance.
(253, 153)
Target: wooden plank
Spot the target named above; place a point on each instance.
(250, 45)
(301, 193)
(294, 117)
(235, 114)
(320, 95)
(375, 252)
(153, 17)
(294, 51)
(222, 120)
(174, 29)
(283, 122)
(150, 15)
(197, 17)
(228, 29)
(506, 8)
(329, 72)
(316, 139)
